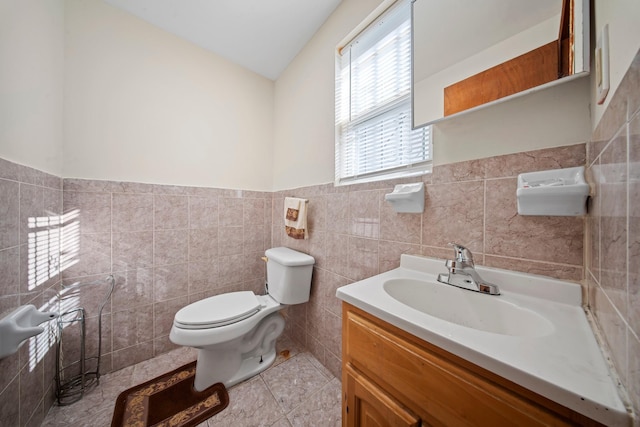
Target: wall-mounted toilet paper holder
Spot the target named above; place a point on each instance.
(407, 198)
(19, 325)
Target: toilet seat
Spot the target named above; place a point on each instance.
(219, 310)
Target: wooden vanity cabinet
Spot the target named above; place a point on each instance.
(368, 405)
(392, 378)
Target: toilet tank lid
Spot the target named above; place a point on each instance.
(289, 257)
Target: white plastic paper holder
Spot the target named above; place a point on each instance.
(407, 198)
(558, 192)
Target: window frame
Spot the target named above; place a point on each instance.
(415, 168)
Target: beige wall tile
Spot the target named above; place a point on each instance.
(511, 165)
(364, 214)
(163, 314)
(170, 212)
(253, 211)
(132, 212)
(31, 208)
(560, 271)
(203, 212)
(170, 246)
(472, 170)
(338, 216)
(9, 213)
(634, 229)
(454, 212)
(132, 355)
(538, 238)
(93, 255)
(230, 212)
(132, 250)
(133, 288)
(363, 258)
(170, 281)
(399, 227)
(612, 225)
(633, 378)
(93, 210)
(203, 276)
(389, 253)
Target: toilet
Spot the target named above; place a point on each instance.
(235, 333)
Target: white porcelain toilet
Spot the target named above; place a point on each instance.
(235, 333)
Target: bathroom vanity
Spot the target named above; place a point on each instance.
(397, 379)
(419, 352)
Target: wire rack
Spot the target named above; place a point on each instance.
(73, 378)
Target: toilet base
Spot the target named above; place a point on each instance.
(250, 367)
(240, 359)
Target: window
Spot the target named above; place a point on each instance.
(374, 139)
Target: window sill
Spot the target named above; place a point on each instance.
(400, 176)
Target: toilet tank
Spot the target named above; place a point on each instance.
(289, 275)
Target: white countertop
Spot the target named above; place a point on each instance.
(566, 365)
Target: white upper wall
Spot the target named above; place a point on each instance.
(143, 105)
(31, 82)
(304, 113)
(305, 104)
(623, 17)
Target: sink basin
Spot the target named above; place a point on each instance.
(469, 309)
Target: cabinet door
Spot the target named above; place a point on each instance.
(366, 405)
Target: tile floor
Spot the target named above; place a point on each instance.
(295, 391)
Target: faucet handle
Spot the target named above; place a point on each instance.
(462, 254)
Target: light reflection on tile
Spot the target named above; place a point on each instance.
(613, 270)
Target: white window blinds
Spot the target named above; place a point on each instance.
(374, 138)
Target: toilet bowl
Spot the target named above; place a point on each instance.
(235, 333)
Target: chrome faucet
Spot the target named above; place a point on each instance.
(462, 273)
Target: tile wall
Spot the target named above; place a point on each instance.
(355, 234)
(166, 247)
(613, 230)
(30, 215)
